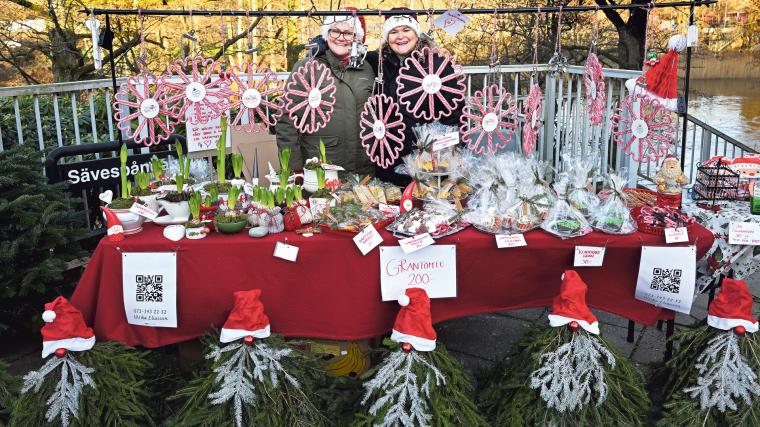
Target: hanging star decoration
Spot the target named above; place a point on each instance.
(493, 112)
(310, 96)
(193, 93)
(532, 111)
(643, 128)
(143, 98)
(593, 79)
(382, 130)
(430, 85)
(255, 104)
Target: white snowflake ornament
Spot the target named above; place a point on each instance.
(493, 112)
(532, 110)
(310, 96)
(193, 92)
(593, 80)
(382, 130)
(144, 98)
(430, 85)
(643, 128)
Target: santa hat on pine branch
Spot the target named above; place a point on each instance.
(64, 328)
(356, 22)
(570, 304)
(660, 82)
(115, 230)
(414, 324)
(732, 308)
(394, 21)
(247, 318)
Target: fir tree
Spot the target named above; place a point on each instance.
(8, 390)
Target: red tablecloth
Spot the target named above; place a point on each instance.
(332, 291)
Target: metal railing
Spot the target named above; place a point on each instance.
(55, 115)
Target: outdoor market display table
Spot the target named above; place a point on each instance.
(333, 292)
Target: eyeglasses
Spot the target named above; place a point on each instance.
(336, 34)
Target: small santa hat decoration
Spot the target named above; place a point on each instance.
(114, 229)
(247, 318)
(732, 308)
(570, 304)
(393, 21)
(414, 324)
(357, 22)
(661, 81)
(64, 328)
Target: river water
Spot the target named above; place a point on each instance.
(731, 106)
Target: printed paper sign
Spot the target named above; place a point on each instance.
(149, 287)
(416, 243)
(367, 239)
(204, 136)
(327, 167)
(143, 210)
(666, 277)
(692, 36)
(452, 21)
(433, 269)
(389, 210)
(589, 256)
(744, 233)
(676, 235)
(448, 139)
(510, 240)
(285, 251)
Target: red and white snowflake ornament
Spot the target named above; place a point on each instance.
(643, 128)
(195, 95)
(255, 104)
(493, 112)
(310, 96)
(381, 129)
(141, 98)
(532, 111)
(593, 79)
(430, 85)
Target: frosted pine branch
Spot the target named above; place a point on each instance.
(725, 376)
(64, 401)
(400, 391)
(246, 366)
(569, 376)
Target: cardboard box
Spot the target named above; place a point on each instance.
(260, 145)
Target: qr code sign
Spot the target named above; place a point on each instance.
(150, 287)
(666, 280)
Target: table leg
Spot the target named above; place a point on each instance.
(671, 324)
(631, 326)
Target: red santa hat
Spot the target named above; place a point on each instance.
(661, 81)
(356, 22)
(246, 318)
(393, 21)
(64, 328)
(413, 322)
(570, 304)
(114, 228)
(732, 307)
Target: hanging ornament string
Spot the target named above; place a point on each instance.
(490, 114)
(249, 49)
(190, 35)
(532, 105)
(558, 62)
(223, 33)
(144, 98)
(493, 65)
(593, 80)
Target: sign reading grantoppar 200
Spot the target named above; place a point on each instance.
(149, 285)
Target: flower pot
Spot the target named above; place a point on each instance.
(272, 219)
(230, 227)
(310, 179)
(176, 210)
(152, 203)
(194, 233)
(131, 222)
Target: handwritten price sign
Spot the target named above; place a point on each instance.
(744, 233)
(433, 269)
(589, 256)
(452, 21)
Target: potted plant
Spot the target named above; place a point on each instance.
(209, 205)
(310, 170)
(196, 227)
(130, 221)
(321, 199)
(143, 192)
(176, 202)
(271, 214)
(221, 184)
(157, 166)
(237, 169)
(232, 220)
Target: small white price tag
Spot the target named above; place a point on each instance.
(367, 239)
(510, 240)
(285, 251)
(327, 167)
(589, 256)
(412, 244)
(676, 235)
(692, 36)
(744, 233)
(452, 21)
(143, 210)
(446, 140)
(389, 210)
